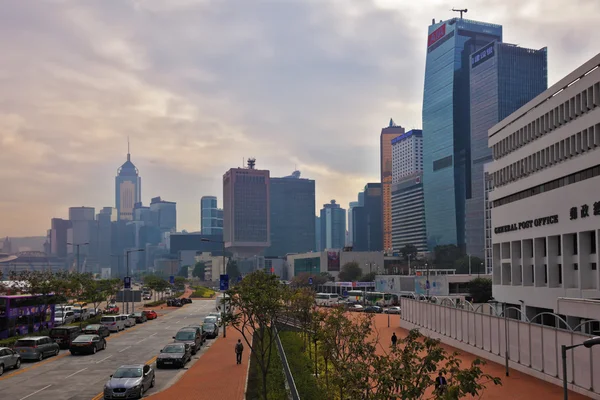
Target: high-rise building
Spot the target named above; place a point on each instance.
(318, 234)
(211, 217)
(367, 220)
(407, 154)
(446, 125)
(104, 220)
(503, 78)
(58, 236)
(128, 189)
(292, 207)
(350, 233)
(164, 214)
(333, 226)
(385, 148)
(82, 231)
(7, 246)
(246, 219)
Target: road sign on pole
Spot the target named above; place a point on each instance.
(127, 282)
(427, 285)
(172, 279)
(224, 282)
(310, 281)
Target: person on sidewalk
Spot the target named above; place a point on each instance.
(239, 349)
(394, 339)
(440, 383)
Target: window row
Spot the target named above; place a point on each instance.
(558, 116)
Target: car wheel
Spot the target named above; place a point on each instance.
(142, 391)
(56, 352)
(94, 350)
(1, 369)
(104, 345)
(153, 381)
(18, 364)
(41, 356)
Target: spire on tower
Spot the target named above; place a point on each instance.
(128, 155)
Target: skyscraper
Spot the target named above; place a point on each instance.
(333, 226)
(164, 214)
(58, 236)
(292, 208)
(246, 220)
(82, 231)
(503, 78)
(385, 149)
(446, 125)
(128, 188)
(367, 220)
(211, 217)
(349, 238)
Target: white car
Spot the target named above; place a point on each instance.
(216, 314)
(63, 317)
(126, 320)
(356, 307)
(392, 310)
(114, 323)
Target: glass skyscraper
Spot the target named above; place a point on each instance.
(503, 78)
(367, 220)
(211, 217)
(446, 125)
(333, 226)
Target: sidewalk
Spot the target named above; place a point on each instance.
(214, 376)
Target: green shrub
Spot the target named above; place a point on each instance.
(202, 292)
(275, 379)
(302, 367)
(155, 303)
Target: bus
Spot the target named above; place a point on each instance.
(326, 299)
(373, 298)
(24, 314)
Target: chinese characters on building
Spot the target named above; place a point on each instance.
(584, 211)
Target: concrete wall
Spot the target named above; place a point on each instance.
(532, 349)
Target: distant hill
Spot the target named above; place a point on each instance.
(31, 243)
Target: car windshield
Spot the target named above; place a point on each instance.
(107, 319)
(92, 327)
(185, 335)
(208, 326)
(84, 338)
(174, 349)
(58, 313)
(59, 332)
(207, 319)
(25, 343)
(128, 373)
(137, 314)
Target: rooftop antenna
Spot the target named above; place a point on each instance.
(128, 155)
(460, 10)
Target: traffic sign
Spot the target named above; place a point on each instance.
(310, 281)
(224, 282)
(427, 286)
(127, 282)
(172, 279)
(345, 293)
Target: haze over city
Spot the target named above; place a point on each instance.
(198, 86)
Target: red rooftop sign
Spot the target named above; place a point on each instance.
(436, 35)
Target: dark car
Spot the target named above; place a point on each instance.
(174, 355)
(96, 329)
(174, 303)
(199, 330)
(211, 329)
(189, 336)
(140, 317)
(186, 300)
(129, 381)
(87, 344)
(64, 335)
(373, 309)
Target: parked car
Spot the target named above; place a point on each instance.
(147, 297)
(129, 381)
(64, 335)
(174, 355)
(132, 320)
(111, 309)
(174, 302)
(140, 317)
(95, 312)
(200, 331)
(81, 314)
(392, 310)
(113, 322)
(126, 321)
(218, 315)
(186, 300)
(96, 329)
(211, 318)
(373, 309)
(356, 307)
(63, 317)
(87, 344)
(36, 347)
(9, 358)
(211, 329)
(189, 336)
(150, 314)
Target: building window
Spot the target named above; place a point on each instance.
(574, 243)
(546, 274)
(594, 266)
(575, 267)
(593, 242)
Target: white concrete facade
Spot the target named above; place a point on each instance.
(545, 217)
(407, 154)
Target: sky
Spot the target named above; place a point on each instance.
(200, 85)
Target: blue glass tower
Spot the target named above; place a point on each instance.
(503, 78)
(446, 125)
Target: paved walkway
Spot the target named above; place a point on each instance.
(517, 386)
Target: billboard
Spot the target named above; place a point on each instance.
(387, 284)
(438, 285)
(333, 261)
(105, 273)
(436, 35)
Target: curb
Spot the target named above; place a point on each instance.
(248, 369)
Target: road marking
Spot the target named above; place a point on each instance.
(37, 365)
(36, 392)
(122, 350)
(168, 327)
(141, 341)
(177, 321)
(105, 358)
(152, 335)
(75, 373)
(184, 317)
(101, 395)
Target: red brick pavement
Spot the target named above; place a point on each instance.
(517, 386)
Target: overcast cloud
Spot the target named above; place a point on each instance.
(198, 85)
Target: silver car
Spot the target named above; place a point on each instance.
(9, 359)
(36, 347)
(129, 381)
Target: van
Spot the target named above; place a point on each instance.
(64, 335)
(81, 314)
(63, 317)
(114, 323)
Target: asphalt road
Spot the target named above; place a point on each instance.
(83, 377)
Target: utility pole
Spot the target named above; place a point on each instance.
(427, 280)
(460, 10)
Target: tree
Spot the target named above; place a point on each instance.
(199, 269)
(462, 265)
(232, 270)
(370, 277)
(409, 250)
(260, 299)
(183, 271)
(480, 290)
(94, 291)
(180, 282)
(350, 272)
(446, 255)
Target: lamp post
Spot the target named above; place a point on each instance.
(77, 245)
(589, 343)
(224, 271)
(131, 294)
(119, 256)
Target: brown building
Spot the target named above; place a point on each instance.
(385, 145)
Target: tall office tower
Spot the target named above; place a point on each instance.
(385, 148)
(503, 78)
(350, 232)
(104, 220)
(408, 207)
(367, 220)
(164, 214)
(246, 220)
(58, 236)
(446, 125)
(292, 207)
(318, 234)
(128, 189)
(211, 217)
(83, 230)
(7, 246)
(333, 226)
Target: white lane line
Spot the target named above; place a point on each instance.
(36, 392)
(184, 317)
(104, 359)
(178, 321)
(141, 341)
(75, 373)
(151, 335)
(168, 327)
(122, 350)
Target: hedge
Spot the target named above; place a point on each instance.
(275, 378)
(202, 292)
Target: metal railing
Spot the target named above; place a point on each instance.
(291, 384)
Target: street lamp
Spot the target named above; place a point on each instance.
(79, 244)
(224, 271)
(589, 343)
(129, 277)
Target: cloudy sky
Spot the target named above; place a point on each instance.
(198, 85)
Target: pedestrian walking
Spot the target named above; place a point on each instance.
(394, 339)
(239, 349)
(440, 383)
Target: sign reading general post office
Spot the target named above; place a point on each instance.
(552, 219)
